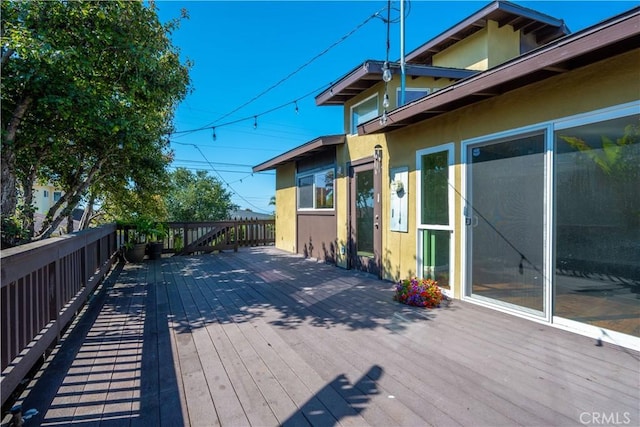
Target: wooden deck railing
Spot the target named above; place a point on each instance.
(185, 238)
(198, 237)
(43, 286)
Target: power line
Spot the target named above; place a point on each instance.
(227, 183)
(221, 170)
(229, 147)
(214, 163)
(215, 124)
(343, 38)
(252, 117)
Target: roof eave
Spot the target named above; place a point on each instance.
(370, 73)
(301, 151)
(536, 65)
(478, 20)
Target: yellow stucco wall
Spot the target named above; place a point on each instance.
(286, 207)
(602, 85)
(504, 43)
(470, 53)
(486, 48)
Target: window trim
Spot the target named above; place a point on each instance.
(450, 149)
(313, 173)
(353, 127)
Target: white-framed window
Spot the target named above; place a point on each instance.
(411, 94)
(316, 189)
(45, 193)
(57, 195)
(363, 112)
(434, 215)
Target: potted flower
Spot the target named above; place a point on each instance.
(419, 292)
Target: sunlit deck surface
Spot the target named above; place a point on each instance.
(265, 338)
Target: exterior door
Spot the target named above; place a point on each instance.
(504, 216)
(365, 220)
(435, 215)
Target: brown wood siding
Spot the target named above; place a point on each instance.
(317, 235)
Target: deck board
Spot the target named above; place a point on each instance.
(264, 338)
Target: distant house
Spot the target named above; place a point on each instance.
(510, 174)
(45, 196)
(247, 214)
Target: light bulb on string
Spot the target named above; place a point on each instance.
(385, 100)
(255, 122)
(214, 134)
(386, 72)
(297, 109)
(383, 118)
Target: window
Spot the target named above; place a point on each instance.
(57, 195)
(435, 188)
(411, 94)
(315, 190)
(597, 224)
(363, 112)
(45, 193)
(435, 228)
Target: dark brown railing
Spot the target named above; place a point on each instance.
(44, 284)
(184, 238)
(203, 237)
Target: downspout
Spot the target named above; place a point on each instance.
(402, 68)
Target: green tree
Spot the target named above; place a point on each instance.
(197, 197)
(88, 95)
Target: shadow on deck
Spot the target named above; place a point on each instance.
(265, 338)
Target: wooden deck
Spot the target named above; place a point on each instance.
(264, 338)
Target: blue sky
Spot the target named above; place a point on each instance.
(250, 58)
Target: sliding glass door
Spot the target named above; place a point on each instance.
(504, 221)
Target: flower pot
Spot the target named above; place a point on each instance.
(155, 250)
(135, 253)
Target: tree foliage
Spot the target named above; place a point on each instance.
(88, 95)
(197, 197)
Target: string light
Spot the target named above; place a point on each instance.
(295, 102)
(386, 72)
(383, 118)
(342, 39)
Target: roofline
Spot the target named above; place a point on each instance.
(372, 70)
(542, 63)
(301, 151)
(481, 15)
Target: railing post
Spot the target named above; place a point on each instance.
(57, 289)
(184, 238)
(237, 233)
